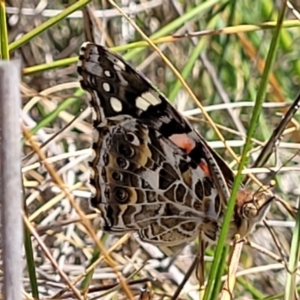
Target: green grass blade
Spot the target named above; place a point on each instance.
(220, 271)
(30, 264)
(50, 66)
(4, 53)
(89, 276)
(290, 287)
(29, 255)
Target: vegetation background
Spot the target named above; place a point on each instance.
(221, 49)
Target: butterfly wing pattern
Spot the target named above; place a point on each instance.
(151, 172)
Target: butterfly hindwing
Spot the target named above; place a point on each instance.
(139, 175)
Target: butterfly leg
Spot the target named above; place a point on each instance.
(200, 267)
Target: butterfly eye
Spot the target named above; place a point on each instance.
(249, 210)
(121, 195)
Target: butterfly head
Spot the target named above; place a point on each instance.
(250, 209)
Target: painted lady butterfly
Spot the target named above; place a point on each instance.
(152, 173)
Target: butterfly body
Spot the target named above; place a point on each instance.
(152, 173)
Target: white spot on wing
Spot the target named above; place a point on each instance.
(147, 99)
(119, 65)
(83, 48)
(142, 104)
(107, 73)
(116, 104)
(117, 68)
(106, 86)
(152, 98)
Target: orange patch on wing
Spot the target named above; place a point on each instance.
(183, 141)
(204, 168)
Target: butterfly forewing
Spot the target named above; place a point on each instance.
(121, 91)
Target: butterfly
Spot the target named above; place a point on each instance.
(151, 172)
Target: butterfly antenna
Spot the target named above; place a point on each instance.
(267, 150)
